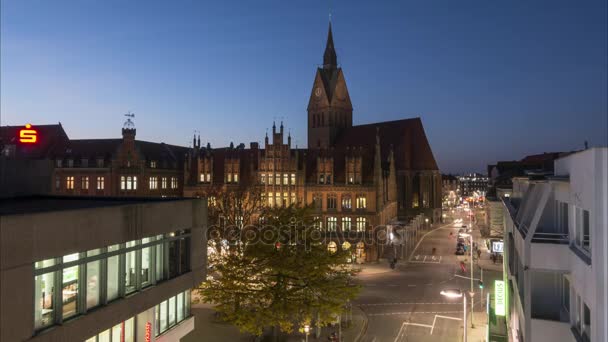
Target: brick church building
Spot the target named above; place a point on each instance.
(356, 176)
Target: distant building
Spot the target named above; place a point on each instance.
(101, 167)
(93, 269)
(450, 190)
(473, 184)
(555, 250)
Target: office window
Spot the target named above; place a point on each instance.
(84, 183)
(332, 224)
(236, 177)
(347, 202)
(153, 164)
(171, 308)
(317, 222)
(271, 198)
(263, 178)
(112, 277)
(293, 179)
(361, 202)
(145, 266)
(277, 178)
(285, 178)
(332, 200)
(293, 198)
(160, 262)
(321, 179)
(100, 183)
(361, 223)
(69, 182)
(93, 283)
(180, 306)
(566, 294)
(317, 201)
(130, 273)
(70, 291)
(153, 183)
(583, 237)
(163, 182)
(346, 224)
(174, 184)
(270, 179)
(172, 311)
(43, 301)
(128, 182)
(229, 177)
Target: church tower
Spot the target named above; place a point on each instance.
(329, 108)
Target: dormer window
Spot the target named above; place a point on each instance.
(70, 163)
(59, 163)
(153, 164)
(84, 162)
(99, 162)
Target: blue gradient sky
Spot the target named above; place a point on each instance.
(491, 80)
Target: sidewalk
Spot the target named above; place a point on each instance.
(207, 328)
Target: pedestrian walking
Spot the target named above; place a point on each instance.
(478, 253)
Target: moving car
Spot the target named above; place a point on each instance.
(459, 251)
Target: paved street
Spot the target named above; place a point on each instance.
(405, 304)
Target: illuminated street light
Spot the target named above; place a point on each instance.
(307, 331)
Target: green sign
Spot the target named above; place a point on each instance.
(499, 297)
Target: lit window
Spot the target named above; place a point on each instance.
(69, 182)
(263, 178)
(202, 178)
(285, 199)
(100, 183)
(317, 201)
(84, 183)
(153, 164)
(332, 247)
(208, 177)
(293, 198)
(346, 224)
(164, 182)
(229, 177)
(278, 179)
(361, 223)
(317, 222)
(270, 179)
(346, 202)
(285, 178)
(174, 184)
(361, 202)
(236, 177)
(332, 224)
(153, 183)
(293, 179)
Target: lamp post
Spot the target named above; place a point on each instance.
(472, 271)
(307, 331)
(456, 293)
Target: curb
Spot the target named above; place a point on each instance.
(363, 328)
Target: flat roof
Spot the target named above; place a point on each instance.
(37, 204)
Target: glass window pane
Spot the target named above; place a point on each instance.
(113, 248)
(70, 291)
(113, 278)
(94, 252)
(180, 306)
(43, 305)
(129, 330)
(145, 266)
(171, 311)
(130, 272)
(160, 262)
(163, 316)
(92, 339)
(70, 257)
(132, 243)
(117, 332)
(44, 263)
(93, 279)
(104, 336)
(187, 300)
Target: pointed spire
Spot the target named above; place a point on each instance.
(330, 60)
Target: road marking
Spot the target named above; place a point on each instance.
(411, 285)
(446, 317)
(393, 285)
(459, 276)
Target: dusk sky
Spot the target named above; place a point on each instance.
(491, 80)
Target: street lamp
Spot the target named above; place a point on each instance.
(307, 331)
(456, 293)
(470, 236)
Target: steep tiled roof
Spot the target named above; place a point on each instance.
(407, 137)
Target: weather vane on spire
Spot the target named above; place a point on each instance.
(129, 124)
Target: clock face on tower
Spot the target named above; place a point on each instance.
(317, 92)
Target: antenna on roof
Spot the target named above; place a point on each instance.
(129, 124)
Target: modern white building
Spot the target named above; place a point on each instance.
(556, 252)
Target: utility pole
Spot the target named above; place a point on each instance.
(472, 289)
